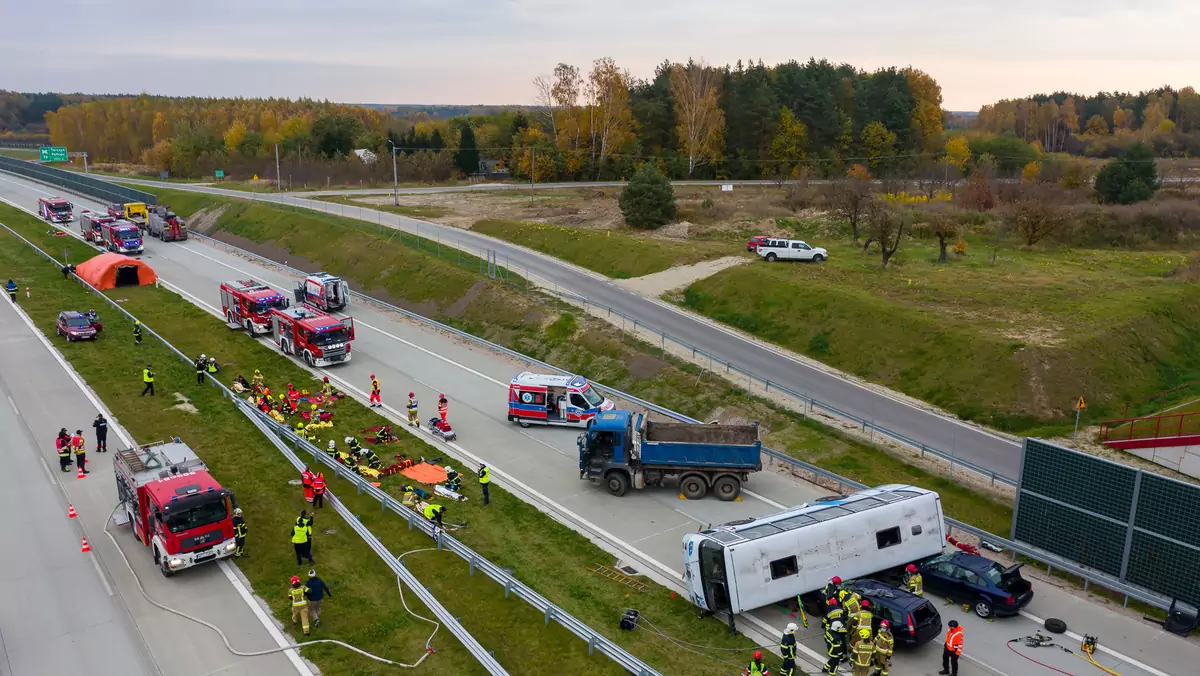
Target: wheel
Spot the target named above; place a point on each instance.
(771, 258)
(1055, 625)
(166, 571)
(616, 483)
(818, 258)
(693, 487)
(983, 608)
(523, 423)
(284, 347)
(727, 488)
(308, 358)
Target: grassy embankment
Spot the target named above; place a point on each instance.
(20, 153)
(412, 211)
(387, 267)
(1011, 345)
(547, 556)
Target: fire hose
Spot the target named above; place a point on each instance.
(428, 649)
(1039, 641)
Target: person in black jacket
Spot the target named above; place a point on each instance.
(101, 427)
(317, 591)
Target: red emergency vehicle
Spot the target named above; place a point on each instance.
(540, 399)
(55, 209)
(122, 237)
(176, 508)
(247, 304)
(324, 291)
(316, 337)
(91, 225)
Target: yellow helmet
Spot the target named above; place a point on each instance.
(864, 633)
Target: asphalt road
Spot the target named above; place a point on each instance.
(407, 356)
(969, 442)
(67, 612)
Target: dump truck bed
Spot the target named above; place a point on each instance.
(688, 433)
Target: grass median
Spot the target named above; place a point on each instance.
(549, 557)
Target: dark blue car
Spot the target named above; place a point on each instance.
(990, 588)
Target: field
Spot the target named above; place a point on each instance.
(547, 556)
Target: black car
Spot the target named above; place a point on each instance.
(989, 587)
(912, 619)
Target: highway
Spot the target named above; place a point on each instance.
(68, 612)
(406, 355)
(962, 440)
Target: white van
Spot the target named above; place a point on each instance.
(790, 250)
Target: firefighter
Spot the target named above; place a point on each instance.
(137, 332)
(370, 458)
(787, 649)
(200, 368)
(318, 490)
(239, 532)
(376, 401)
(326, 387)
(80, 447)
(833, 613)
(433, 512)
(756, 667)
(485, 478)
(409, 496)
(212, 366)
(913, 581)
(862, 654)
(148, 379)
(850, 604)
(355, 447)
(257, 379)
(306, 480)
(884, 645)
(62, 444)
(331, 451)
(831, 589)
(302, 537)
(443, 407)
(101, 427)
(11, 288)
(835, 646)
(865, 618)
(299, 597)
(414, 419)
(453, 479)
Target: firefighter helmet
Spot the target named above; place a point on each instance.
(836, 580)
(295, 579)
(911, 568)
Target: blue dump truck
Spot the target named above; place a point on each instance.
(623, 449)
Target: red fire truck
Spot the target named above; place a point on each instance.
(91, 224)
(318, 338)
(175, 507)
(122, 237)
(55, 209)
(248, 304)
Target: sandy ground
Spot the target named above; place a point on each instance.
(655, 285)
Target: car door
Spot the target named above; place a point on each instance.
(801, 251)
(577, 406)
(940, 577)
(965, 585)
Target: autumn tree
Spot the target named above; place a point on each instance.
(1096, 125)
(849, 199)
(648, 200)
(701, 122)
(1031, 172)
(885, 225)
(958, 152)
(788, 147)
(878, 144)
(1033, 219)
(611, 121)
(534, 155)
(234, 136)
(978, 195)
(927, 108)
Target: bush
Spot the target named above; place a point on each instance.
(1130, 178)
(648, 200)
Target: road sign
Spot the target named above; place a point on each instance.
(52, 153)
(220, 173)
(1080, 405)
(727, 187)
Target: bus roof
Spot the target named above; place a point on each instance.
(543, 380)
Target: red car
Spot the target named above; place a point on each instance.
(75, 326)
(752, 245)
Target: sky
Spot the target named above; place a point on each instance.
(488, 51)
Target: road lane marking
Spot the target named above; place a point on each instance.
(266, 621)
(1128, 660)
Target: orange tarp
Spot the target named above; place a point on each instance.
(425, 473)
(110, 270)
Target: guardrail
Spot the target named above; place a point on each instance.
(76, 182)
(1151, 427)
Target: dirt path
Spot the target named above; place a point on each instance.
(655, 285)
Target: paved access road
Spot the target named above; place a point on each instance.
(406, 356)
(67, 612)
(968, 442)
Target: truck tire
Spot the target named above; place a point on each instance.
(162, 564)
(308, 358)
(771, 258)
(727, 488)
(1055, 625)
(617, 483)
(693, 486)
(285, 346)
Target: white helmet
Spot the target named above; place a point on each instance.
(836, 626)
(237, 511)
(332, 445)
(347, 440)
(203, 356)
(791, 628)
(448, 469)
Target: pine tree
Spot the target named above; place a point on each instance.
(467, 157)
(648, 200)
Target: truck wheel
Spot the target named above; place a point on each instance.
(285, 347)
(617, 483)
(162, 564)
(771, 258)
(693, 487)
(727, 488)
(308, 358)
(523, 423)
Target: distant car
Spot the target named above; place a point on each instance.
(75, 326)
(752, 245)
(990, 588)
(913, 620)
(789, 250)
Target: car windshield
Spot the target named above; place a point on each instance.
(331, 337)
(591, 396)
(200, 515)
(994, 574)
(129, 233)
(60, 208)
(267, 304)
(78, 322)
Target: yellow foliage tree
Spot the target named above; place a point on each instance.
(789, 144)
(701, 120)
(958, 153)
(234, 136)
(1031, 172)
(927, 108)
(1096, 125)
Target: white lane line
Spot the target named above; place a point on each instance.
(661, 532)
(49, 474)
(103, 578)
(267, 623)
(14, 406)
(765, 499)
(27, 186)
(1125, 658)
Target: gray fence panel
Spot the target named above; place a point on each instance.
(76, 182)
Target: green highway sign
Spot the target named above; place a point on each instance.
(52, 153)
(220, 173)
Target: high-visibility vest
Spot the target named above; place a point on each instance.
(78, 444)
(915, 584)
(756, 668)
(851, 605)
(147, 376)
(306, 478)
(432, 511)
(884, 643)
(485, 475)
(212, 367)
(865, 620)
(442, 407)
(954, 640)
(297, 594)
(299, 534)
(374, 385)
(318, 485)
(864, 653)
(63, 446)
(832, 615)
(412, 404)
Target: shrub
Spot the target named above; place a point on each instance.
(1130, 178)
(648, 200)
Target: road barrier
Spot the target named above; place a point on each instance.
(76, 182)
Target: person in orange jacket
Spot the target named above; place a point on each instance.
(306, 479)
(952, 649)
(376, 400)
(318, 490)
(443, 407)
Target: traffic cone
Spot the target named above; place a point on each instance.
(71, 511)
(86, 547)
(80, 474)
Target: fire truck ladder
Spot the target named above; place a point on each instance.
(605, 571)
(131, 458)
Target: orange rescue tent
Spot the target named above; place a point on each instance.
(110, 270)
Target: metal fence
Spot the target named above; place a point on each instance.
(512, 585)
(76, 182)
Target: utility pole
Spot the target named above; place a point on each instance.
(532, 170)
(278, 183)
(85, 167)
(395, 177)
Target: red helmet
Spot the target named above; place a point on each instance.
(758, 654)
(833, 601)
(295, 579)
(836, 580)
(865, 604)
(326, 379)
(372, 376)
(884, 624)
(911, 568)
(411, 394)
(442, 396)
(290, 386)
